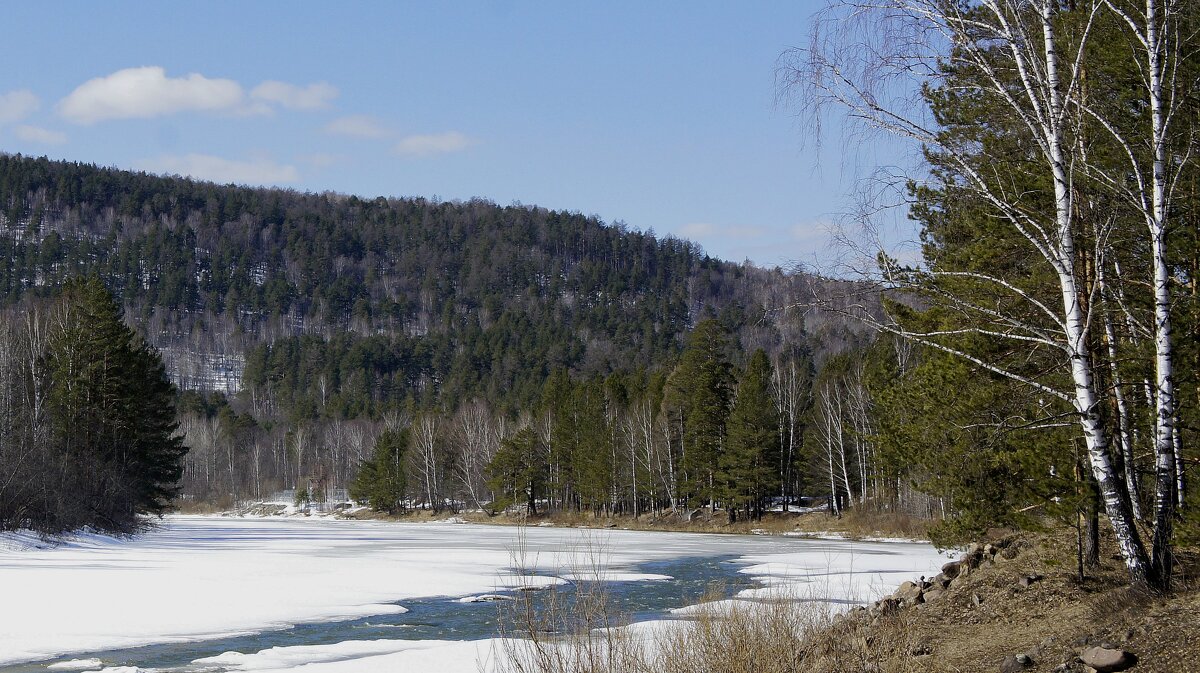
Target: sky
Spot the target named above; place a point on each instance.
(661, 115)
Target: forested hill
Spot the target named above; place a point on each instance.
(335, 300)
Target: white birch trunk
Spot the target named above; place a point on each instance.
(1086, 399)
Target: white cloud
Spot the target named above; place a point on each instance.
(322, 160)
(312, 97)
(357, 126)
(37, 134)
(217, 169)
(710, 230)
(437, 143)
(147, 92)
(697, 229)
(17, 105)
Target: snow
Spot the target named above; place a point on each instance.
(76, 665)
(840, 574)
(391, 656)
(198, 578)
(485, 598)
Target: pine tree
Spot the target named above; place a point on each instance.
(698, 395)
(518, 470)
(749, 464)
(111, 411)
(381, 480)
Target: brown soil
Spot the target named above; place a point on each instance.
(1051, 620)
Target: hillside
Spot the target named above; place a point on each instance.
(420, 299)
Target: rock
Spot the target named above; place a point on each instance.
(1107, 660)
(908, 590)
(940, 581)
(884, 606)
(951, 569)
(1026, 580)
(932, 595)
(976, 600)
(1016, 663)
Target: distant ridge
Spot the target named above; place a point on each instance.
(475, 298)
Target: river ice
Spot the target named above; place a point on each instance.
(200, 578)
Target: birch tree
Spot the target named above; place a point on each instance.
(1156, 155)
(1016, 66)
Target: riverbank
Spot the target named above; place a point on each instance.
(854, 525)
(1023, 607)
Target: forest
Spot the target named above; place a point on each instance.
(299, 328)
(1036, 366)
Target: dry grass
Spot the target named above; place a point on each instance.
(766, 637)
(574, 630)
(984, 618)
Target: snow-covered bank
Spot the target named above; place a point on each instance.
(198, 578)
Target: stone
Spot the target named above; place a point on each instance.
(940, 581)
(908, 590)
(1016, 663)
(952, 569)
(932, 595)
(885, 606)
(976, 600)
(1107, 660)
(1027, 580)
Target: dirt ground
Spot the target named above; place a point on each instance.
(988, 616)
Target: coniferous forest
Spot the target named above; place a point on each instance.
(1038, 364)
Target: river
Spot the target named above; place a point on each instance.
(313, 591)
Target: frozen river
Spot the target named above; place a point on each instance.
(227, 594)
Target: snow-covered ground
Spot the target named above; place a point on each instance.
(199, 578)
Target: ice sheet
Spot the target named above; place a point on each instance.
(196, 578)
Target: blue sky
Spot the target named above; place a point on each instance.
(658, 114)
